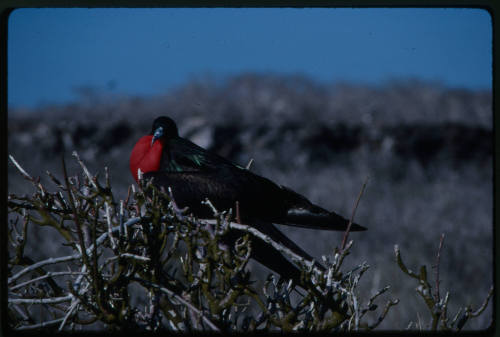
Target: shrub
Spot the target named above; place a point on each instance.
(144, 264)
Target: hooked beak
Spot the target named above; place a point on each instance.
(158, 134)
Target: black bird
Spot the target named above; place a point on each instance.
(195, 174)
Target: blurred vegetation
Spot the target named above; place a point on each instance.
(427, 150)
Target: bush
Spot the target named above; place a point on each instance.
(144, 264)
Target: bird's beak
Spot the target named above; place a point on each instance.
(158, 134)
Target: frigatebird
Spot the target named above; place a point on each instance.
(195, 174)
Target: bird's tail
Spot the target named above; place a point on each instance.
(303, 213)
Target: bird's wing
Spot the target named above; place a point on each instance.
(191, 188)
(196, 174)
(183, 155)
(259, 199)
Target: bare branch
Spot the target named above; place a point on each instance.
(295, 257)
(212, 207)
(131, 256)
(41, 325)
(123, 230)
(372, 299)
(49, 274)
(402, 265)
(20, 169)
(50, 300)
(110, 227)
(238, 219)
(85, 170)
(71, 310)
(41, 264)
(438, 256)
(181, 300)
(384, 313)
(51, 260)
(484, 305)
(351, 220)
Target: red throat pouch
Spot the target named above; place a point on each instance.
(145, 157)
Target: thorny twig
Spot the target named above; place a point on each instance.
(438, 256)
(351, 220)
(20, 169)
(85, 170)
(484, 305)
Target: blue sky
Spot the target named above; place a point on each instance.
(150, 51)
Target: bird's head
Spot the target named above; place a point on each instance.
(163, 128)
(147, 153)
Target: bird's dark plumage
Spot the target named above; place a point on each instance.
(195, 174)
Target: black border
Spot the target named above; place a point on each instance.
(7, 6)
